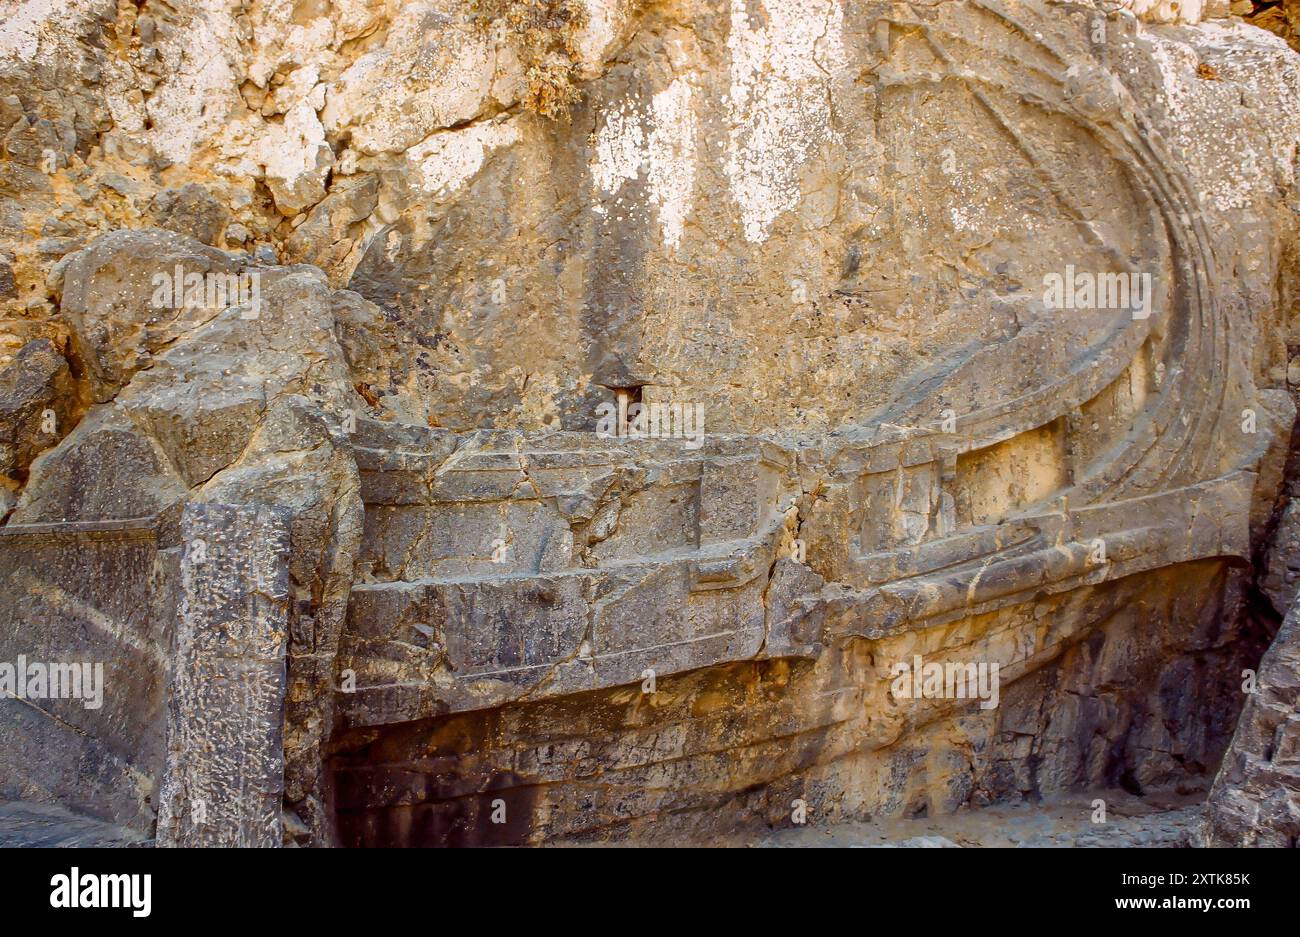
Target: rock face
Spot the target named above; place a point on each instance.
(224, 780)
(1277, 16)
(1256, 797)
(643, 395)
(37, 397)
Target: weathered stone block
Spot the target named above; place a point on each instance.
(224, 780)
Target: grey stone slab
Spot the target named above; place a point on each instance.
(224, 779)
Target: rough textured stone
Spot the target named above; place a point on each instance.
(107, 296)
(38, 825)
(1277, 16)
(95, 592)
(825, 229)
(191, 210)
(223, 784)
(38, 400)
(1256, 797)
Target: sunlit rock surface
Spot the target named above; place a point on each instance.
(961, 333)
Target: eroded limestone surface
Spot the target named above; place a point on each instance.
(1255, 800)
(390, 272)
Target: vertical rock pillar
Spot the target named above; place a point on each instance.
(223, 783)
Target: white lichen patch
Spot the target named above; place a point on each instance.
(446, 161)
(296, 158)
(620, 148)
(22, 26)
(783, 54)
(672, 159)
(660, 144)
(46, 31)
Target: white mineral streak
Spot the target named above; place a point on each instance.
(1167, 11)
(672, 159)
(447, 160)
(620, 146)
(782, 56)
(194, 103)
(666, 150)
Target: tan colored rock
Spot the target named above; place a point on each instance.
(133, 293)
(648, 385)
(1256, 797)
(434, 71)
(191, 210)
